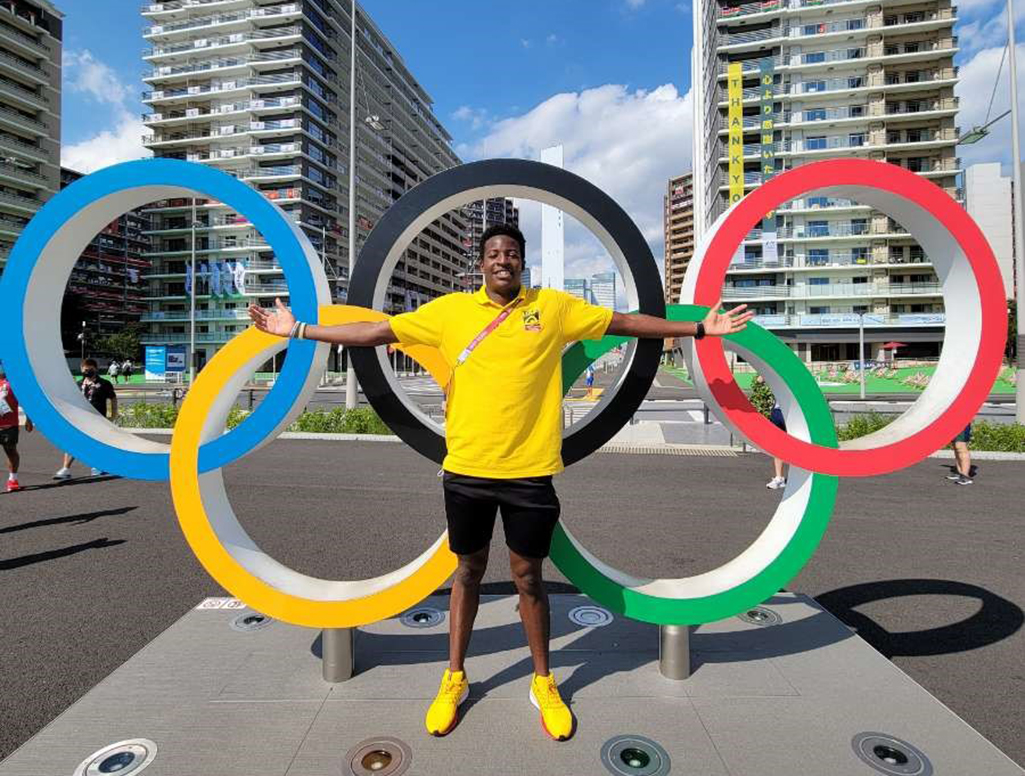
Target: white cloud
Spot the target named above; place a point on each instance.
(121, 140)
(552, 39)
(628, 143)
(974, 89)
(475, 117)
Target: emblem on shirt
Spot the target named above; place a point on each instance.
(532, 319)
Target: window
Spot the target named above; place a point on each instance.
(893, 136)
(815, 86)
(912, 106)
(911, 48)
(860, 309)
(917, 253)
(891, 50)
(819, 114)
(912, 77)
(855, 53)
(859, 226)
(860, 279)
(818, 257)
(855, 24)
(818, 228)
(918, 163)
(915, 136)
(818, 202)
(815, 143)
(856, 139)
(818, 281)
(892, 79)
(914, 17)
(819, 310)
(856, 110)
(814, 57)
(814, 29)
(859, 255)
(856, 82)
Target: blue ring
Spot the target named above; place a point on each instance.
(206, 181)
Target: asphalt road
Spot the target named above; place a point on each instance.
(929, 572)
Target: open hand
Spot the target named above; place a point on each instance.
(278, 321)
(729, 322)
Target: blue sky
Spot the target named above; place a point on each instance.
(609, 79)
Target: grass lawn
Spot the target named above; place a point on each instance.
(873, 384)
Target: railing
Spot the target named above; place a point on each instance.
(224, 40)
(11, 85)
(823, 144)
(5, 111)
(17, 199)
(224, 18)
(174, 5)
(11, 169)
(733, 38)
(920, 106)
(829, 114)
(201, 315)
(11, 224)
(832, 229)
(19, 62)
(752, 64)
(825, 28)
(21, 36)
(831, 202)
(228, 86)
(850, 320)
(745, 9)
(806, 291)
(168, 71)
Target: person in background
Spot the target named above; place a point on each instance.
(127, 370)
(98, 392)
(113, 370)
(765, 402)
(962, 471)
(9, 431)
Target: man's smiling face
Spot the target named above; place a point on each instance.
(502, 264)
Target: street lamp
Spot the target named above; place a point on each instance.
(192, 302)
(350, 373)
(81, 339)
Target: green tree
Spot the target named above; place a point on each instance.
(124, 344)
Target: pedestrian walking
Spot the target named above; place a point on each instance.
(9, 431)
(764, 400)
(99, 393)
(127, 370)
(113, 370)
(962, 473)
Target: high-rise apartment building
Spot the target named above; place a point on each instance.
(989, 197)
(833, 79)
(106, 290)
(31, 32)
(481, 215)
(603, 289)
(678, 221)
(260, 89)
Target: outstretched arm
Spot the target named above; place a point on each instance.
(280, 322)
(716, 324)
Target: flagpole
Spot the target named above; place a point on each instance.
(351, 395)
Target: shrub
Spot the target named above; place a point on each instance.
(862, 425)
(1004, 437)
(147, 415)
(362, 420)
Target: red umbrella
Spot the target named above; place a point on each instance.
(894, 345)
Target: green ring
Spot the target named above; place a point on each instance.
(646, 607)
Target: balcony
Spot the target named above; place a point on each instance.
(272, 58)
(737, 38)
(28, 150)
(241, 39)
(809, 291)
(282, 80)
(22, 121)
(849, 320)
(28, 176)
(222, 19)
(23, 95)
(30, 204)
(21, 41)
(199, 114)
(827, 28)
(35, 72)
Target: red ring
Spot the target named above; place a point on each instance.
(930, 197)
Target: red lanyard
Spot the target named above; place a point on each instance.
(487, 330)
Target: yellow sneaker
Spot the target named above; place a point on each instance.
(443, 714)
(556, 718)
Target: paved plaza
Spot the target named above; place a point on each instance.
(928, 573)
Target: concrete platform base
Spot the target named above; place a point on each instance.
(787, 698)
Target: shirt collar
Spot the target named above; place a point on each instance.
(482, 297)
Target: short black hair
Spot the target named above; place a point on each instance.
(498, 230)
(90, 362)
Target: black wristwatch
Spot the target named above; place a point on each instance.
(700, 333)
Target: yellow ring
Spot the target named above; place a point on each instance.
(206, 517)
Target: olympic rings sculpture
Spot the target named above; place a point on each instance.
(30, 347)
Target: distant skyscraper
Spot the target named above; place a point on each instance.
(552, 257)
(603, 289)
(678, 219)
(525, 278)
(483, 214)
(579, 287)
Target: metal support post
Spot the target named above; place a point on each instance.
(861, 351)
(674, 651)
(337, 654)
(1019, 221)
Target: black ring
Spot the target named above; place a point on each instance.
(515, 175)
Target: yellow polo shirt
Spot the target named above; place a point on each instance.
(505, 403)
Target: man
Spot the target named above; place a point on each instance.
(98, 392)
(503, 433)
(961, 472)
(9, 431)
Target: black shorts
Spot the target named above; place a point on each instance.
(777, 419)
(530, 510)
(9, 436)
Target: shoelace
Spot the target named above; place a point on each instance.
(451, 689)
(548, 695)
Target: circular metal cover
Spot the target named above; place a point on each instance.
(422, 617)
(890, 755)
(760, 616)
(124, 757)
(631, 755)
(250, 621)
(384, 756)
(590, 616)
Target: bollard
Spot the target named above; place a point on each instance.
(250, 399)
(707, 420)
(337, 654)
(674, 651)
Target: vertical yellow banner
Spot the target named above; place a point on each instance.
(735, 117)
